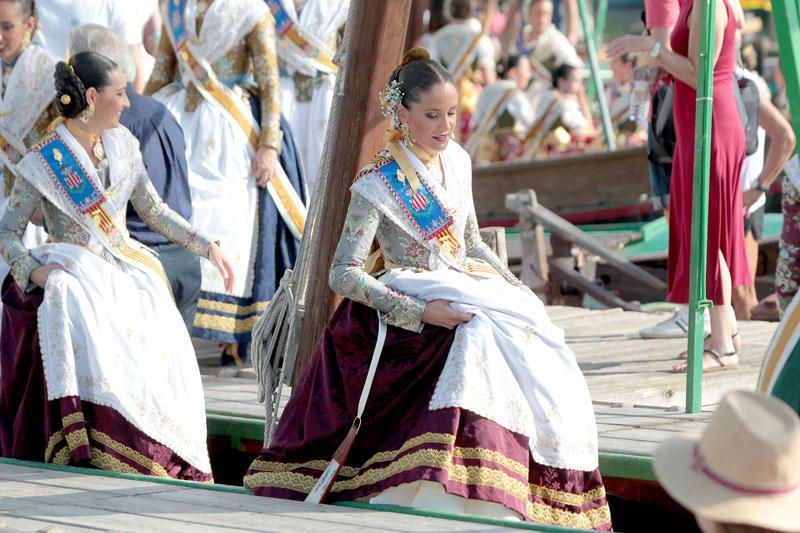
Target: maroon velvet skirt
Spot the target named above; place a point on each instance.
(401, 440)
(67, 431)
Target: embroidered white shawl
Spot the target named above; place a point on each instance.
(29, 91)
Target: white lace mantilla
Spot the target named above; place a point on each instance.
(225, 24)
(28, 93)
(456, 199)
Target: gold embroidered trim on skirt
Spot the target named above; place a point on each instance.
(72, 418)
(129, 453)
(485, 454)
(467, 475)
(233, 309)
(224, 323)
(55, 438)
(105, 461)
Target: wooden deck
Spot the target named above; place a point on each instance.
(45, 500)
(638, 400)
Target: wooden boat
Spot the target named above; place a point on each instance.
(583, 188)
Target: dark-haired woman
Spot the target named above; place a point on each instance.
(503, 114)
(217, 72)
(26, 98)
(109, 377)
(477, 405)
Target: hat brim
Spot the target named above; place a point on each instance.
(673, 464)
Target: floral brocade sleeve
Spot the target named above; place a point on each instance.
(261, 47)
(21, 206)
(162, 219)
(475, 247)
(349, 278)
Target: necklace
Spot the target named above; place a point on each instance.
(95, 141)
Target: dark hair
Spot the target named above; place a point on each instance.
(507, 63)
(417, 75)
(460, 9)
(85, 70)
(628, 59)
(561, 72)
(437, 17)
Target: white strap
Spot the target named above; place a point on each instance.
(373, 366)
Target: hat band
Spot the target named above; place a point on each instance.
(701, 465)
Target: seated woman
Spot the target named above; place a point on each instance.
(478, 405)
(618, 96)
(567, 122)
(109, 378)
(503, 114)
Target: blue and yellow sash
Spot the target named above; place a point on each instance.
(416, 199)
(73, 183)
(285, 28)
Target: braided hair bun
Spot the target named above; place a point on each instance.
(84, 71)
(70, 92)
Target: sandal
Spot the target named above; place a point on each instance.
(681, 369)
(684, 355)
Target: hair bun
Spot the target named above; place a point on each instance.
(415, 54)
(70, 92)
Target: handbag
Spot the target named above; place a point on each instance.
(662, 127)
(748, 106)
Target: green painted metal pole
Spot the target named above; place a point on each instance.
(600, 15)
(786, 14)
(699, 244)
(597, 83)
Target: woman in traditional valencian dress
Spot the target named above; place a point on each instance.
(477, 404)
(503, 115)
(26, 98)
(217, 72)
(109, 377)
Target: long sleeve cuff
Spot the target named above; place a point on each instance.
(407, 314)
(21, 270)
(271, 137)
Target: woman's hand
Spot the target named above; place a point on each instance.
(264, 163)
(749, 198)
(630, 44)
(40, 274)
(439, 313)
(222, 264)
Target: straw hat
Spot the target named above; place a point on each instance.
(745, 467)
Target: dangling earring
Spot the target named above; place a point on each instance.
(26, 38)
(406, 133)
(87, 114)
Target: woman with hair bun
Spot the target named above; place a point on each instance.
(26, 97)
(503, 114)
(470, 400)
(108, 377)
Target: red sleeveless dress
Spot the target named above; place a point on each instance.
(725, 218)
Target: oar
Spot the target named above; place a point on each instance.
(325, 481)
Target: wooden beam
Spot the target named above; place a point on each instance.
(522, 203)
(582, 181)
(375, 33)
(416, 24)
(599, 293)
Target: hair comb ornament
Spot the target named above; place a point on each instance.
(65, 99)
(390, 98)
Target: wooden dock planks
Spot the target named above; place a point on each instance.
(638, 401)
(37, 499)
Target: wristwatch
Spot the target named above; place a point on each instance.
(761, 187)
(656, 50)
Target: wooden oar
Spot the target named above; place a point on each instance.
(326, 480)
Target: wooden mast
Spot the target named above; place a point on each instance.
(375, 34)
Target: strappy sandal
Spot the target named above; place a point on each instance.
(684, 355)
(717, 357)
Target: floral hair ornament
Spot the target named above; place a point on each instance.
(392, 95)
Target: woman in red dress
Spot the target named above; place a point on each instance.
(726, 260)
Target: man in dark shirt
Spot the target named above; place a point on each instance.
(164, 154)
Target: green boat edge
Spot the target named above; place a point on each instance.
(237, 428)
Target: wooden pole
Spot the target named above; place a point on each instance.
(416, 25)
(375, 33)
